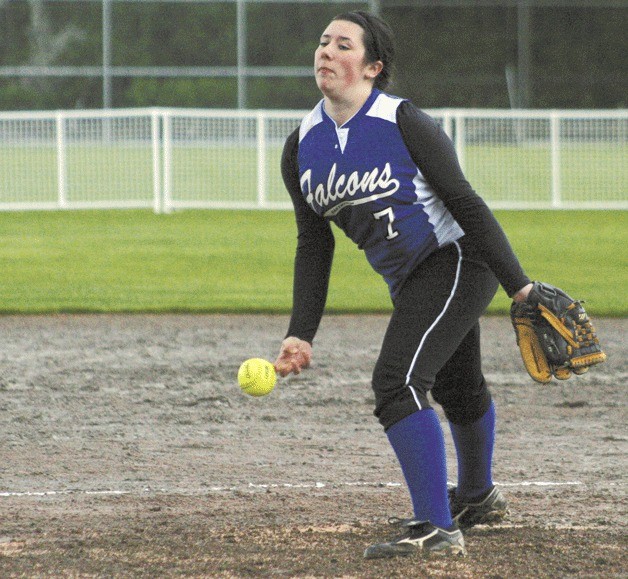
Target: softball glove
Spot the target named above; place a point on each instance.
(554, 334)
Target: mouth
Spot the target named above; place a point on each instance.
(324, 70)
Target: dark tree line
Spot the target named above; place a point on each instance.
(447, 57)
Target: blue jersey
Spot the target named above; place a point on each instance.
(390, 179)
(362, 177)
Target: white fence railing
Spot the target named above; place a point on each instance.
(167, 159)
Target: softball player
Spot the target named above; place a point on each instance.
(388, 177)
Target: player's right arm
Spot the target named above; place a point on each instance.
(312, 268)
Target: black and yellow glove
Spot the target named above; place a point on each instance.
(554, 334)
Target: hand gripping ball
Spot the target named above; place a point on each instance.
(257, 377)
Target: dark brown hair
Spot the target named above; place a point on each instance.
(378, 42)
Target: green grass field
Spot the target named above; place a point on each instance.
(241, 261)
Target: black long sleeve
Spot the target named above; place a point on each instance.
(435, 156)
(314, 253)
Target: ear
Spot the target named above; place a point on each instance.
(373, 69)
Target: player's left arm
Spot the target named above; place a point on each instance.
(433, 152)
(554, 333)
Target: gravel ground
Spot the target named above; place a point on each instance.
(128, 450)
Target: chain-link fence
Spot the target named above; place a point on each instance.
(180, 158)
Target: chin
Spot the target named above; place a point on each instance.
(323, 85)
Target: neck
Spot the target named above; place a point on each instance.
(342, 108)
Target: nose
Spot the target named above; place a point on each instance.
(324, 51)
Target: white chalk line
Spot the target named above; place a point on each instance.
(255, 486)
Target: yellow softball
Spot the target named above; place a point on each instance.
(257, 377)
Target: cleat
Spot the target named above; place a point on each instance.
(488, 509)
(420, 537)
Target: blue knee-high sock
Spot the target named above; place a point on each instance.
(419, 445)
(474, 448)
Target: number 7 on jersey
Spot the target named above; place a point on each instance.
(389, 214)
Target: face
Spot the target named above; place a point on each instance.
(339, 60)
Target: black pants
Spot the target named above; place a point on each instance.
(433, 340)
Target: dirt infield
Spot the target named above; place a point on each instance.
(129, 451)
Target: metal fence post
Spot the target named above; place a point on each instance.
(167, 167)
(158, 201)
(555, 159)
(62, 168)
(448, 124)
(460, 138)
(261, 159)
